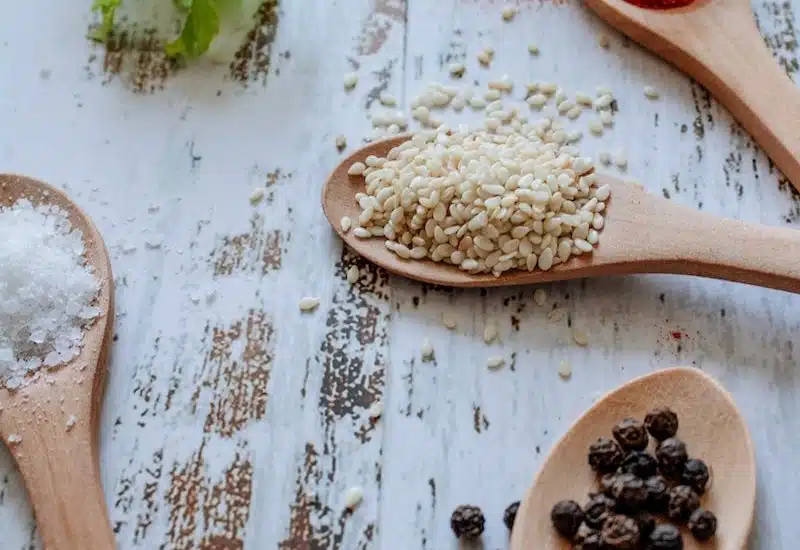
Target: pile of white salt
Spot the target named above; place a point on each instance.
(47, 291)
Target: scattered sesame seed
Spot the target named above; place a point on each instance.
(533, 49)
(537, 101)
(509, 12)
(604, 157)
(495, 362)
(540, 296)
(257, 195)
(485, 58)
(606, 117)
(583, 99)
(596, 127)
(449, 320)
(376, 410)
(490, 332)
(565, 369)
(353, 274)
(603, 41)
(350, 81)
(620, 160)
(353, 497)
(477, 103)
(341, 143)
(356, 169)
(574, 112)
(604, 101)
(308, 304)
(427, 350)
(71, 421)
(603, 90)
(548, 88)
(580, 337)
(651, 92)
(387, 99)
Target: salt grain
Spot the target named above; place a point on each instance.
(308, 304)
(47, 291)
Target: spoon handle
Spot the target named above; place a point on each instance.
(681, 240)
(61, 473)
(719, 45)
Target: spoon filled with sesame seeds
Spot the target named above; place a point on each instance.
(664, 462)
(54, 344)
(718, 43)
(477, 209)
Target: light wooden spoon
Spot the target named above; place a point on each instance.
(60, 464)
(718, 44)
(710, 425)
(643, 234)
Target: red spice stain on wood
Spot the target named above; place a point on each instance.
(376, 27)
(256, 251)
(236, 372)
(206, 514)
(677, 335)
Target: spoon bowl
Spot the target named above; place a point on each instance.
(710, 425)
(718, 43)
(51, 424)
(642, 234)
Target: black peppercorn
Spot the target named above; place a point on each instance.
(695, 475)
(598, 509)
(672, 456)
(646, 523)
(631, 435)
(605, 455)
(629, 492)
(606, 482)
(665, 537)
(640, 464)
(662, 423)
(510, 515)
(620, 533)
(657, 493)
(702, 524)
(467, 521)
(566, 516)
(682, 502)
(587, 539)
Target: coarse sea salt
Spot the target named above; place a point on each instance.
(48, 291)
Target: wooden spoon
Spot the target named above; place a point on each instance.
(643, 234)
(710, 425)
(718, 44)
(60, 463)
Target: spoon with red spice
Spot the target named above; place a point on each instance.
(718, 44)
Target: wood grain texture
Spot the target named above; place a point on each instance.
(195, 455)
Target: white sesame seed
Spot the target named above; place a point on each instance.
(346, 223)
(596, 127)
(449, 320)
(353, 274)
(477, 103)
(565, 369)
(533, 49)
(580, 337)
(603, 41)
(71, 421)
(362, 233)
(485, 57)
(427, 350)
(606, 117)
(490, 332)
(548, 88)
(350, 81)
(491, 95)
(495, 362)
(537, 100)
(353, 498)
(604, 157)
(341, 143)
(386, 99)
(458, 103)
(257, 195)
(376, 410)
(509, 12)
(540, 296)
(574, 112)
(651, 92)
(604, 101)
(620, 160)
(308, 304)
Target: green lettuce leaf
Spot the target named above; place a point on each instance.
(199, 30)
(107, 9)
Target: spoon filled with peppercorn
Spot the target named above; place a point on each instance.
(670, 466)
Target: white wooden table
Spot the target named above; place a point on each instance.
(233, 421)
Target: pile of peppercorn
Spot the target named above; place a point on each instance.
(635, 487)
